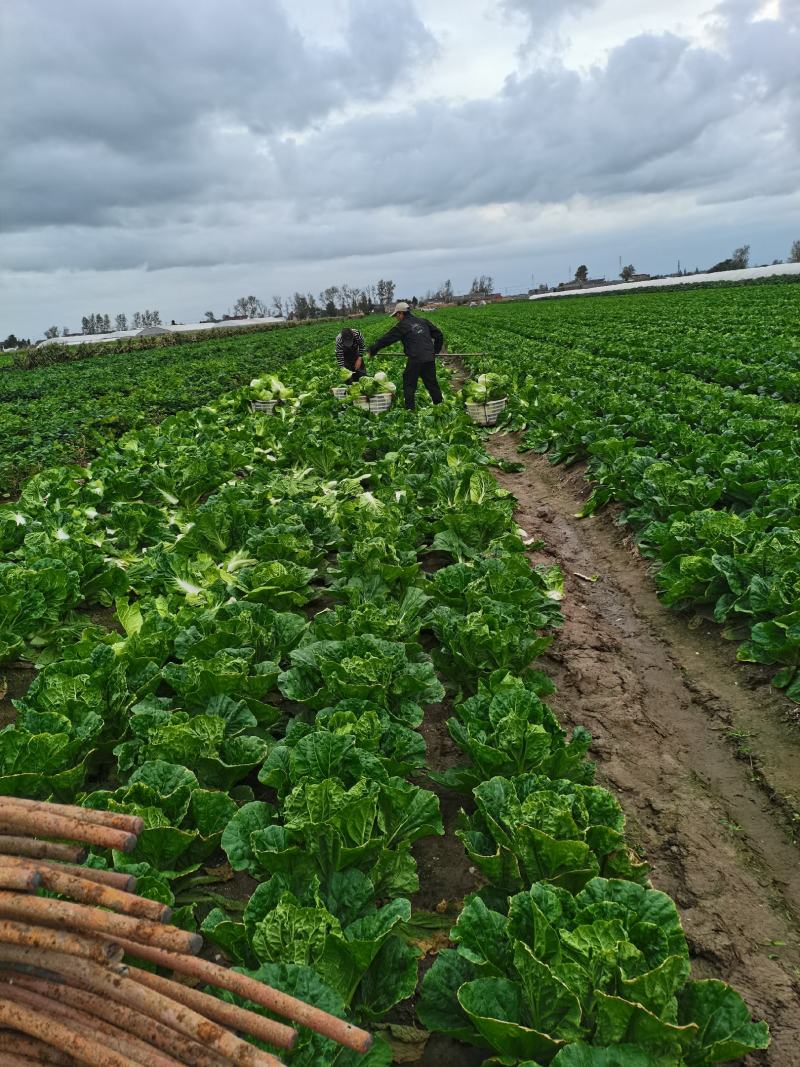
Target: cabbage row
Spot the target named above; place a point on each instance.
(276, 601)
(685, 406)
(64, 413)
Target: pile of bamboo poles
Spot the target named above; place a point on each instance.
(66, 998)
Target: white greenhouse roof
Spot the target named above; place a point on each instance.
(224, 324)
(689, 279)
(152, 331)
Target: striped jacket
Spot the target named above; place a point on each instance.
(352, 353)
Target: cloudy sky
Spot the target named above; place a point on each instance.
(176, 154)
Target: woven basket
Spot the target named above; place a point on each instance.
(378, 403)
(340, 391)
(267, 406)
(486, 414)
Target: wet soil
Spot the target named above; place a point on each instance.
(14, 682)
(670, 710)
(445, 879)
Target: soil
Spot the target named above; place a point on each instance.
(444, 876)
(445, 879)
(664, 703)
(14, 682)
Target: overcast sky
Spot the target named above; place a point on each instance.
(177, 154)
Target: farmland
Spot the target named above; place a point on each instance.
(64, 413)
(692, 429)
(247, 627)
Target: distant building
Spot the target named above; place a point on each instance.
(588, 284)
(639, 277)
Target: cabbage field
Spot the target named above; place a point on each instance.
(63, 413)
(688, 412)
(240, 622)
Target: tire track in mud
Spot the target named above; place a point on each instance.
(630, 671)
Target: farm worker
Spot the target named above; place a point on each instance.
(350, 352)
(422, 341)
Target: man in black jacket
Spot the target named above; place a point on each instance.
(422, 341)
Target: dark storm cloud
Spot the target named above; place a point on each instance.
(126, 104)
(660, 114)
(176, 133)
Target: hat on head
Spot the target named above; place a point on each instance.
(401, 305)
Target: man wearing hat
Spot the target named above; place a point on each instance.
(422, 341)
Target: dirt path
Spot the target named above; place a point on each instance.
(659, 699)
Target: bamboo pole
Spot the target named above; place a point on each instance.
(117, 820)
(18, 879)
(16, 933)
(86, 919)
(116, 879)
(265, 996)
(113, 982)
(16, 820)
(230, 1015)
(34, 1049)
(31, 846)
(94, 1053)
(111, 1036)
(145, 1027)
(86, 891)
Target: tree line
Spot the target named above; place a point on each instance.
(740, 259)
(101, 323)
(332, 302)
(482, 286)
(341, 300)
(336, 300)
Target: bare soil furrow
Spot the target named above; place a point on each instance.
(661, 700)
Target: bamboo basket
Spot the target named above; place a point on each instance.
(488, 413)
(376, 404)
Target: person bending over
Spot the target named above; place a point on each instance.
(350, 353)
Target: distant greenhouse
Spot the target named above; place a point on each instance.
(747, 274)
(155, 331)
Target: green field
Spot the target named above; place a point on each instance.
(65, 412)
(241, 620)
(685, 407)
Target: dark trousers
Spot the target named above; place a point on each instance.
(355, 374)
(411, 375)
